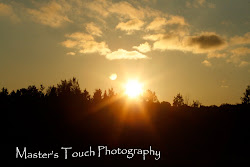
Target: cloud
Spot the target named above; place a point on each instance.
(122, 9)
(99, 6)
(93, 29)
(243, 63)
(71, 53)
(123, 54)
(69, 43)
(153, 37)
(85, 43)
(176, 20)
(237, 40)
(216, 55)
(241, 51)
(237, 55)
(126, 10)
(145, 47)
(206, 63)
(172, 40)
(205, 42)
(80, 36)
(94, 47)
(199, 4)
(168, 42)
(52, 14)
(157, 23)
(130, 25)
(7, 11)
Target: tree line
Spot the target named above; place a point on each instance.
(70, 89)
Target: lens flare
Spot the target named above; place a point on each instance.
(113, 76)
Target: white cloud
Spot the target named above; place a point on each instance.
(94, 47)
(157, 23)
(130, 25)
(145, 47)
(93, 29)
(168, 42)
(153, 37)
(85, 43)
(176, 20)
(69, 43)
(126, 10)
(206, 63)
(52, 14)
(123, 54)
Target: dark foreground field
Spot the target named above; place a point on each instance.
(67, 117)
(184, 135)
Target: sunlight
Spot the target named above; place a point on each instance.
(133, 88)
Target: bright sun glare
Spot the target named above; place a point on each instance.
(133, 88)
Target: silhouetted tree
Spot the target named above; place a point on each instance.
(4, 95)
(196, 104)
(69, 88)
(150, 96)
(97, 97)
(32, 91)
(51, 91)
(4, 92)
(165, 104)
(178, 100)
(246, 98)
(41, 90)
(111, 93)
(13, 93)
(86, 95)
(105, 96)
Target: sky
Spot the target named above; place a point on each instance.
(199, 48)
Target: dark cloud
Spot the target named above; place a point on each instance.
(207, 41)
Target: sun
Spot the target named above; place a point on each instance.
(133, 88)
